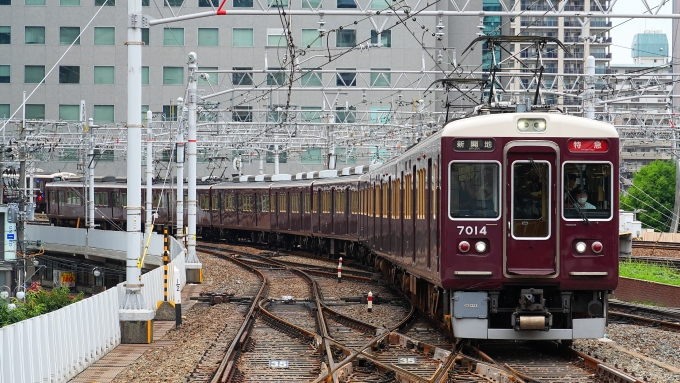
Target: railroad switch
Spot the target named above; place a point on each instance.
(214, 298)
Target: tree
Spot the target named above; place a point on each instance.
(653, 190)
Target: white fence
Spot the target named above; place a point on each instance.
(57, 346)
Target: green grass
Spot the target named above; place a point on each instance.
(647, 272)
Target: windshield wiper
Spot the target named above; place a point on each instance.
(569, 196)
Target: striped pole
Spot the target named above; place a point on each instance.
(166, 253)
(370, 301)
(340, 270)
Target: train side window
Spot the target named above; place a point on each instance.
(157, 201)
(115, 199)
(101, 199)
(73, 198)
(474, 190)
(124, 198)
(215, 203)
(531, 199)
(265, 203)
(587, 189)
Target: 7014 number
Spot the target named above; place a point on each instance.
(471, 230)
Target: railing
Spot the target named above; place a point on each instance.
(57, 346)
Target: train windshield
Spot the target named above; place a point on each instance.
(474, 190)
(587, 190)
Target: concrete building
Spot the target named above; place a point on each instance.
(645, 103)
(363, 66)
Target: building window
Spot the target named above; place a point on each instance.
(213, 77)
(276, 37)
(242, 37)
(346, 4)
(173, 75)
(385, 38)
(145, 36)
(311, 38)
(242, 114)
(35, 2)
(170, 113)
(346, 38)
(69, 112)
(244, 78)
(4, 74)
(69, 3)
(5, 35)
(173, 36)
(35, 111)
(173, 3)
(346, 78)
(243, 3)
(379, 4)
(380, 79)
(311, 114)
(68, 36)
(33, 74)
(103, 114)
(276, 78)
(208, 37)
(103, 75)
(5, 2)
(344, 115)
(311, 4)
(35, 35)
(4, 110)
(208, 3)
(104, 36)
(145, 75)
(311, 78)
(278, 3)
(69, 74)
(109, 3)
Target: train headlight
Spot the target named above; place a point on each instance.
(539, 125)
(581, 247)
(464, 246)
(597, 247)
(523, 125)
(480, 246)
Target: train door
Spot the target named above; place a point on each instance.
(531, 247)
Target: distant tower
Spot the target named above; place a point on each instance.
(650, 48)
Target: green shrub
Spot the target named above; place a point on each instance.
(38, 301)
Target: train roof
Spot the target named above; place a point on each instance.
(505, 125)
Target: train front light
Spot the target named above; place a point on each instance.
(539, 125)
(581, 247)
(464, 246)
(527, 125)
(523, 125)
(480, 246)
(597, 247)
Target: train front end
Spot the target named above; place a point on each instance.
(530, 235)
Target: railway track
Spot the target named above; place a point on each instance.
(656, 245)
(303, 326)
(668, 319)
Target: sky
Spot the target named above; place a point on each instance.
(622, 36)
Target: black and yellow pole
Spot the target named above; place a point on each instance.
(165, 310)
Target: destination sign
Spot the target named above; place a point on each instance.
(474, 145)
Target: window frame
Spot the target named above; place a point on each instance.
(499, 190)
(611, 191)
(548, 208)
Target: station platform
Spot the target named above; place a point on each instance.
(107, 368)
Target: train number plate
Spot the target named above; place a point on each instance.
(407, 360)
(471, 230)
(278, 363)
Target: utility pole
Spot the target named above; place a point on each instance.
(674, 102)
(90, 174)
(136, 323)
(194, 269)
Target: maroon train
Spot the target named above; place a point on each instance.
(504, 226)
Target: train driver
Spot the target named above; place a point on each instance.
(581, 197)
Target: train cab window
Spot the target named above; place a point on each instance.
(531, 199)
(587, 190)
(474, 190)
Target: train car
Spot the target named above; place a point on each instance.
(529, 209)
(503, 226)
